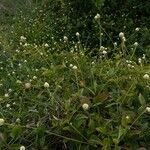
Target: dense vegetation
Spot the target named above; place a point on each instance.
(74, 75)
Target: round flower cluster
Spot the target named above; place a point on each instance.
(46, 85)
(65, 39)
(85, 106)
(148, 109)
(22, 148)
(27, 85)
(1, 121)
(77, 34)
(146, 76)
(121, 35)
(97, 17)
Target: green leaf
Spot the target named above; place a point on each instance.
(40, 132)
(94, 140)
(79, 120)
(91, 124)
(99, 3)
(16, 131)
(142, 100)
(102, 130)
(106, 144)
(121, 132)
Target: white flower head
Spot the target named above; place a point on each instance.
(137, 29)
(136, 44)
(93, 62)
(7, 105)
(121, 34)
(46, 85)
(102, 48)
(115, 44)
(148, 109)
(139, 60)
(71, 65)
(124, 39)
(127, 117)
(26, 44)
(144, 57)
(6, 95)
(146, 76)
(22, 38)
(1, 121)
(22, 148)
(65, 38)
(46, 45)
(9, 90)
(85, 106)
(97, 17)
(27, 85)
(104, 52)
(18, 81)
(75, 67)
(34, 77)
(77, 34)
(18, 120)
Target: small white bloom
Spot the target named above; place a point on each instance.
(104, 52)
(46, 45)
(132, 67)
(77, 34)
(115, 44)
(140, 60)
(19, 65)
(22, 148)
(46, 85)
(26, 44)
(18, 120)
(129, 65)
(127, 117)
(1, 121)
(7, 105)
(121, 34)
(75, 67)
(146, 76)
(18, 81)
(137, 29)
(148, 109)
(136, 44)
(102, 48)
(65, 38)
(85, 106)
(6, 95)
(124, 39)
(143, 56)
(130, 77)
(27, 85)
(34, 77)
(97, 17)
(22, 38)
(9, 90)
(93, 62)
(71, 65)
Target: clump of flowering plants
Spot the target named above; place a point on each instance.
(60, 96)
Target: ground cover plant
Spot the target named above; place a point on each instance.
(57, 91)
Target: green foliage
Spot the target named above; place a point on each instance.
(65, 90)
